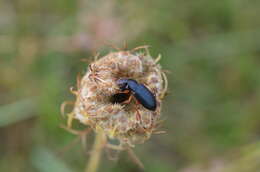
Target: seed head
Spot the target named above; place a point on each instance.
(130, 123)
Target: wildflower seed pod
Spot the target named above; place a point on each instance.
(130, 122)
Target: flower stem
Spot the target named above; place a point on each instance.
(96, 152)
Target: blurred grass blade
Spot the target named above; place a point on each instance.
(17, 111)
(45, 161)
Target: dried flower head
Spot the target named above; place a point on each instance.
(130, 122)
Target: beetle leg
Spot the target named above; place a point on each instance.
(137, 115)
(128, 100)
(125, 91)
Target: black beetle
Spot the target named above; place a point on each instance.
(140, 92)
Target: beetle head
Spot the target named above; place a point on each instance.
(122, 83)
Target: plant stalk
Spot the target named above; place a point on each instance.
(94, 159)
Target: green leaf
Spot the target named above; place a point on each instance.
(46, 161)
(17, 111)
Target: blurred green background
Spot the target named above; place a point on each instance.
(212, 111)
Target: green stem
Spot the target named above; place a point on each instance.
(96, 152)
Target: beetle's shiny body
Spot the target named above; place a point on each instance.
(143, 95)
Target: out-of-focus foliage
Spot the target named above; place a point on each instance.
(211, 113)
